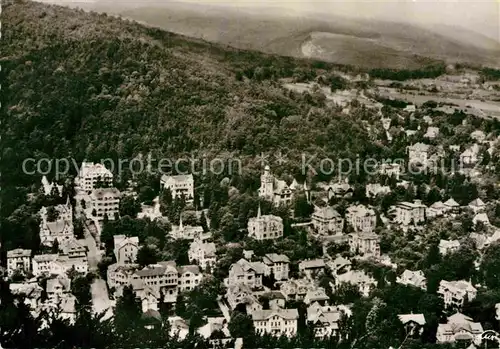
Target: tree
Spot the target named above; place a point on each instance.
(129, 206)
(52, 214)
(241, 326)
(127, 318)
(55, 246)
(490, 266)
(146, 256)
(302, 208)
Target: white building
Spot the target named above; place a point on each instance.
(265, 227)
(188, 232)
(274, 190)
(366, 244)
(296, 289)
(324, 319)
(432, 132)
(413, 323)
(203, 253)
(361, 218)
(277, 265)
(312, 268)
(276, 322)
(372, 190)
(359, 278)
(437, 209)
(163, 275)
(413, 278)
(451, 205)
(105, 202)
(18, 260)
(249, 273)
(459, 327)
(90, 174)
(477, 205)
(448, 246)
(390, 169)
(180, 185)
(125, 248)
(418, 153)
(190, 276)
(470, 156)
(327, 221)
(61, 228)
(58, 287)
(454, 292)
(410, 212)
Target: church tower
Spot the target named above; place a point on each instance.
(266, 184)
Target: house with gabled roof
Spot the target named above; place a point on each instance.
(477, 205)
(277, 265)
(452, 206)
(454, 293)
(125, 248)
(18, 260)
(413, 278)
(361, 218)
(327, 221)
(312, 268)
(179, 185)
(296, 288)
(249, 273)
(459, 327)
(324, 319)
(317, 295)
(359, 278)
(413, 323)
(203, 253)
(448, 246)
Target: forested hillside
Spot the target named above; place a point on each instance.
(91, 86)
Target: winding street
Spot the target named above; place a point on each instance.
(100, 297)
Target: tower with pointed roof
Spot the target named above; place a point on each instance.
(267, 184)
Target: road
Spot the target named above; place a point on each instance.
(99, 289)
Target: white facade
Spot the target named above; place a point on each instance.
(274, 190)
(125, 248)
(180, 185)
(277, 322)
(249, 273)
(361, 218)
(61, 229)
(448, 246)
(455, 292)
(189, 277)
(276, 264)
(105, 202)
(413, 278)
(90, 174)
(265, 227)
(202, 253)
(418, 153)
(410, 212)
(48, 187)
(18, 260)
(365, 244)
(459, 327)
(327, 221)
